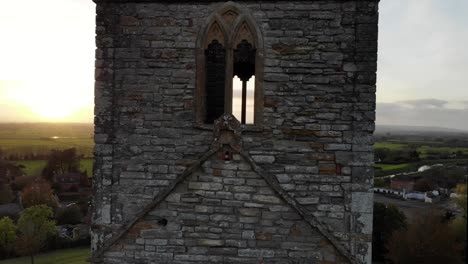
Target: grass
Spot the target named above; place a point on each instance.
(45, 130)
(421, 148)
(34, 167)
(390, 145)
(87, 164)
(43, 146)
(390, 167)
(426, 149)
(63, 256)
(39, 138)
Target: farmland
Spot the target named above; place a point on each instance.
(20, 141)
(69, 256)
(405, 151)
(34, 167)
(43, 146)
(421, 147)
(30, 144)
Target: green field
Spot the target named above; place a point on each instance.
(87, 164)
(421, 148)
(64, 256)
(40, 138)
(45, 130)
(390, 146)
(390, 167)
(426, 149)
(43, 146)
(34, 167)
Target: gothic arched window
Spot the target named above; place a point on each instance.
(229, 68)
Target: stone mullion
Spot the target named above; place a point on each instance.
(228, 95)
(244, 101)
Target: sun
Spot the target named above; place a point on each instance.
(51, 101)
(52, 110)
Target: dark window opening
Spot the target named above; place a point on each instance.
(244, 69)
(215, 70)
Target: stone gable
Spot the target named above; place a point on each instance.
(223, 213)
(315, 69)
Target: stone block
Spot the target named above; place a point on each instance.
(210, 242)
(258, 253)
(248, 234)
(263, 159)
(362, 202)
(308, 200)
(205, 186)
(266, 199)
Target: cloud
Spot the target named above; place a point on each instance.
(422, 50)
(464, 102)
(423, 112)
(426, 103)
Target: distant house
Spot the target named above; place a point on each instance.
(402, 183)
(11, 210)
(73, 184)
(9, 171)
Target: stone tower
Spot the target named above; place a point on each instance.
(234, 132)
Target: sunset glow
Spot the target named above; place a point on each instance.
(49, 101)
(47, 65)
(48, 47)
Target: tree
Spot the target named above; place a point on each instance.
(69, 215)
(7, 236)
(9, 171)
(35, 227)
(21, 182)
(387, 219)
(413, 155)
(459, 224)
(61, 162)
(379, 182)
(6, 194)
(423, 185)
(427, 240)
(461, 200)
(37, 193)
(445, 176)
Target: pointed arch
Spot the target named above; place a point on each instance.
(229, 16)
(212, 42)
(215, 32)
(229, 9)
(245, 28)
(226, 24)
(243, 32)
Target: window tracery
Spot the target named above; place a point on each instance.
(230, 47)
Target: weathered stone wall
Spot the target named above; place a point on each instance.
(224, 212)
(315, 138)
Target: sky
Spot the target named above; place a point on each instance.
(47, 62)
